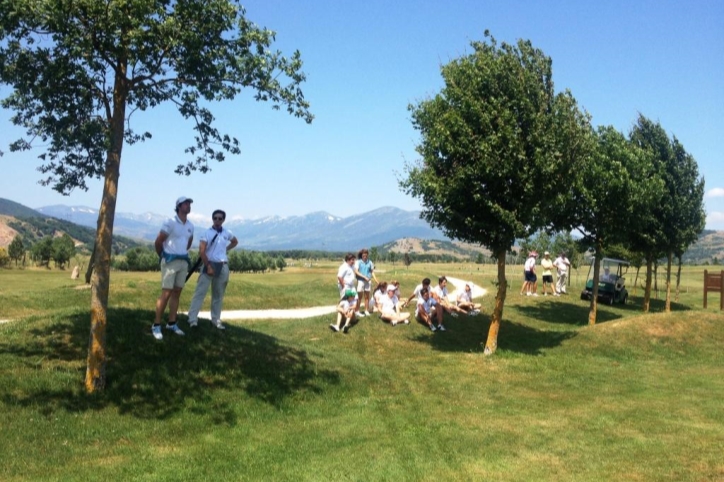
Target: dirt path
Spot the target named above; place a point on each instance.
(297, 313)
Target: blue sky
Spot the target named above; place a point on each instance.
(366, 61)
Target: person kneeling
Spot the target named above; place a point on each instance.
(465, 301)
(345, 311)
(390, 307)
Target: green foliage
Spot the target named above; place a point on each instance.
(101, 59)
(42, 251)
(4, 257)
(138, 259)
(63, 249)
(495, 146)
(16, 250)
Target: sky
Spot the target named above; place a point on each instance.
(367, 61)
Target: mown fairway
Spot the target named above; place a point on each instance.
(636, 397)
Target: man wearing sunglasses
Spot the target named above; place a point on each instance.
(214, 245)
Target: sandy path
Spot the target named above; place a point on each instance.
(297, 313)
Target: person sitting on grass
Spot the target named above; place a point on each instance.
(465, 300)
(439, 292)
(380, 291)
(345, 311)
(390, 308)
(427, 310)
(417, 292)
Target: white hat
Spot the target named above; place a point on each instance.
(183, 199)
(546, 253)
(391, 287)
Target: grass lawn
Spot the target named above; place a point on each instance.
(636, 397)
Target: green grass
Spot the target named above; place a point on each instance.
(636, 397)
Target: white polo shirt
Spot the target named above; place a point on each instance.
(216, 251)
(179, 234)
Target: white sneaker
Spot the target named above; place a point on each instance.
(432, 327)
(218, 324)
(334, 327)
(175, 329)
(527, 294)
(534, 294)
(441, 327)
(393, 322)
(453, 314)
(156, 330)
(193, 324)
(407, 322)
(359, 314)
(345, 328)
(557, 294)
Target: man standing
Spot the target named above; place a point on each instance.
(562, 265)
(346, 278)
(530, 285)
(547, 264)
(214, 245)
(172, 245)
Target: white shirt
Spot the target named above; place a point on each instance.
(530, 264)
(346, 272)
(388, 304)
(465, 297)
(179, 233)
(345, 305)
(425, 305)
(216, 251)
(440, 292)
(418, 292)
(561, 263)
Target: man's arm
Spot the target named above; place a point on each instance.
(158, 244)
(232, 244)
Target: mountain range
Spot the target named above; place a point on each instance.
(318, 230)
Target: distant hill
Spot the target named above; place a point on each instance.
(33, 225)
(16, 210)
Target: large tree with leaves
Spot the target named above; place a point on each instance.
(498, 148)
(679, 217)
(612, 195)
(79, 68)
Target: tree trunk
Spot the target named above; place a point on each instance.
(669, 260)
(647, 290)
(678, 279)
(95, 377)
(636, 280)
(492, 343)
(91, 263)
(593, 309)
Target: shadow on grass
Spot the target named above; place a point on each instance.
(469, 335)
(156, 379)
(568, 313)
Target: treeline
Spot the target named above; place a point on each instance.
(240, 261)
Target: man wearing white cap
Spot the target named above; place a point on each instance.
(172, 245)
(547, 264)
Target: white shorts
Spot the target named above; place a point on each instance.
(363, 285)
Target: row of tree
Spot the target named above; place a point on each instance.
(503, 156)
(240, 261)
(58, 249)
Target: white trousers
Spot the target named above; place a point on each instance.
(561, 282)
(218, 288)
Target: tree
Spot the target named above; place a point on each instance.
(42, 251)
(16, 250)
(374, 254)
(80, 68)
(407, 260)
(4, 257)
(611, 196)
(497, 148)
(392, 257)
(280, 263)
(62, 250)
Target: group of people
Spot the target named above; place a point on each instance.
(172, 245)
(354, 281)
(530, 278)
(358, 300)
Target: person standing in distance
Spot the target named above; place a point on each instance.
(214, 245)
(563, 266)
(365, 272)
(172, 245)
(346, 277)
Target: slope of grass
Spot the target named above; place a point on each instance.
(636, 397)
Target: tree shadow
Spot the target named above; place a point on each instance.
(568, 313)
(469, 334)
(156, 379)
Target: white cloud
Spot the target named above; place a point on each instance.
(714, 217)
(715, 192)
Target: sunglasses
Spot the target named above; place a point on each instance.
(218, 218)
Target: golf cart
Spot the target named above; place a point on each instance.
(611, 282)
